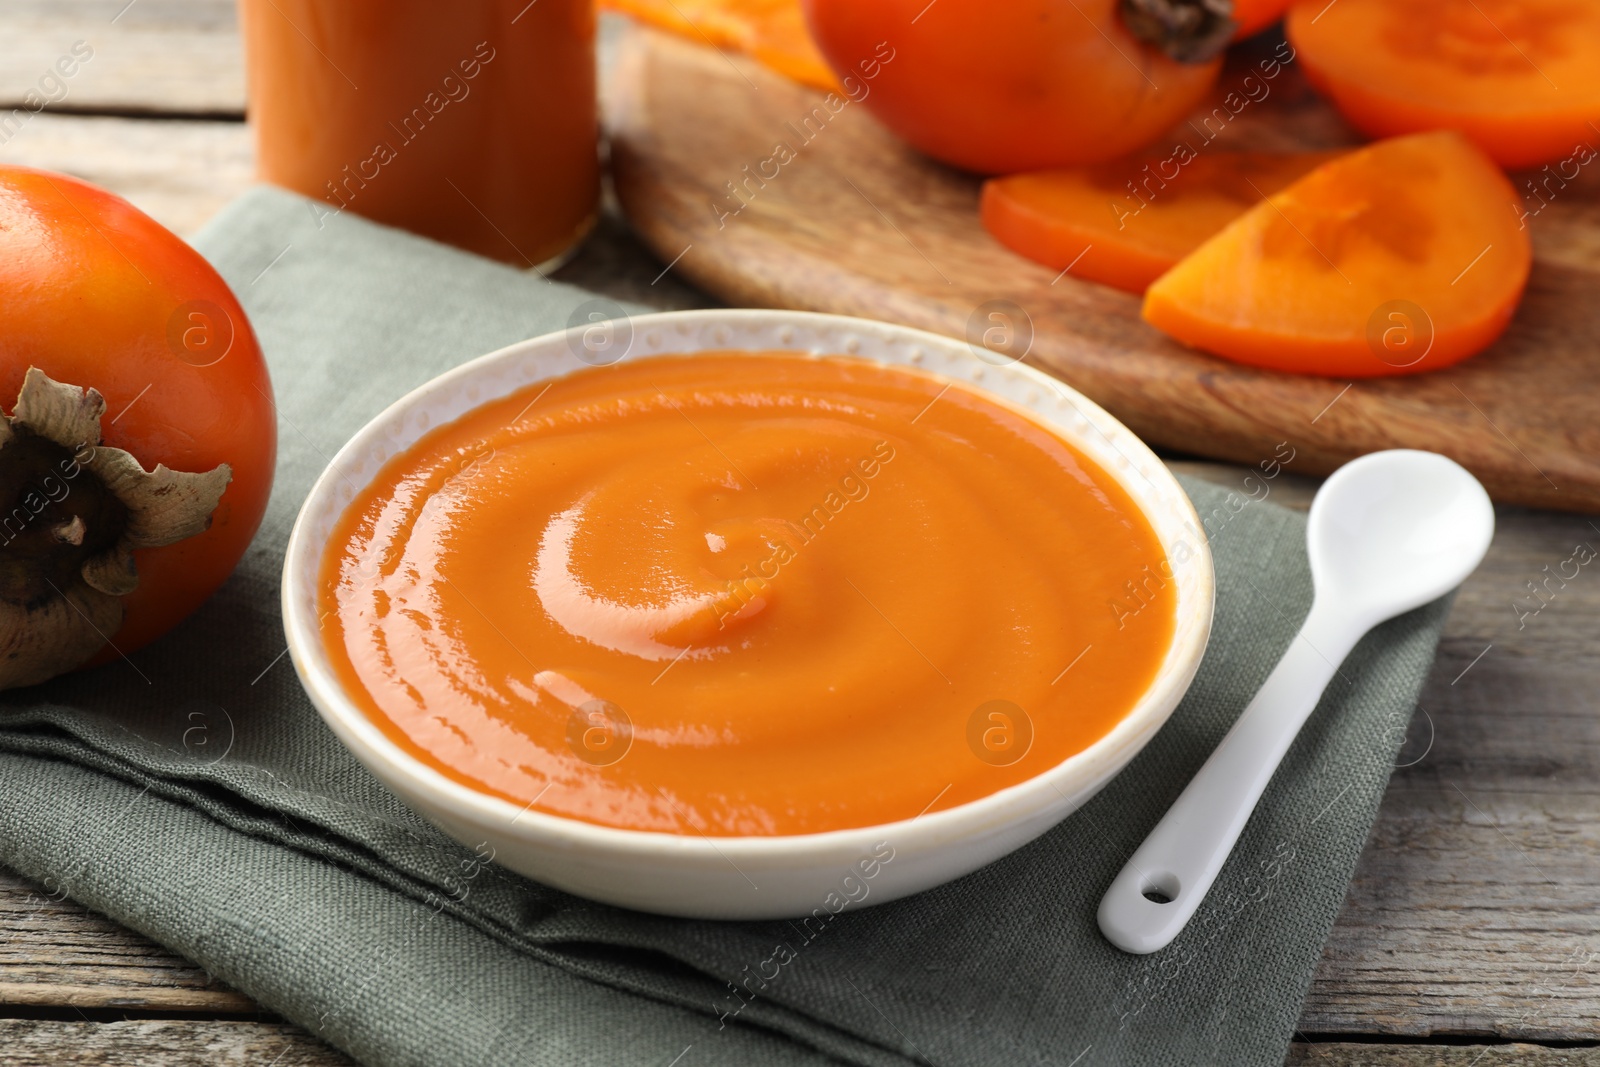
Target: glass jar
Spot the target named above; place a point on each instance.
(474, 123)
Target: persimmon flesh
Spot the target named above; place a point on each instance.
(772, 32)
(1125, 224)
(1519, 77)
(999, 88)
(1403, 256)
(1253, 16)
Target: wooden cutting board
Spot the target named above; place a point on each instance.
(858, 224)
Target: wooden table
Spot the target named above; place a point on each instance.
(1470, 936)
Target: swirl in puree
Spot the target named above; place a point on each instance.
(734, 594)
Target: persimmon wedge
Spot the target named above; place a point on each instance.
(1519, 77)
(1400, 257)
(1125, 224)
(772, 32)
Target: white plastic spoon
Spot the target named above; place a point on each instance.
(1388, 532)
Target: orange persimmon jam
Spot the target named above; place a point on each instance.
(736, 594)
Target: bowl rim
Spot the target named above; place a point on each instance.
(1005, 807)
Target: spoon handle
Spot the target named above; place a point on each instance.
(1162, 884)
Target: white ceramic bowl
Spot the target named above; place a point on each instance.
(752, 877)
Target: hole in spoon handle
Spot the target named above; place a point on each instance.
(1147, 906)
(1160, 888)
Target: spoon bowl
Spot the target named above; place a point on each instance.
(1395, 530)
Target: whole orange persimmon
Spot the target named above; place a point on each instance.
(1025, 84)
(138, 440)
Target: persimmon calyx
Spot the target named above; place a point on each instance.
(1188, 31)
(74, 512)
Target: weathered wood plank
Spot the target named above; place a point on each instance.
(171, 56)
(197, 1043)
(178, 171)
(1476, 906)
(171, 1043)
(1364, 1055)
(55, 953)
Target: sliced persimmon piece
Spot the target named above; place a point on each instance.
(1126, 223)
(772, 32)
(1519, 77)
(1403, 256)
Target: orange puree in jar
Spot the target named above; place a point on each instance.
(471, 123)
(729, 594)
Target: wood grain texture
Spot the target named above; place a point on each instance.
(200, 1043)
(1475, 908)
(145, 56)
(54, 952)
(859, 224)
(1363, 1055)
(185, 1043)
(178, 171)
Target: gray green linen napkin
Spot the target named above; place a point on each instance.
(193, 794)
